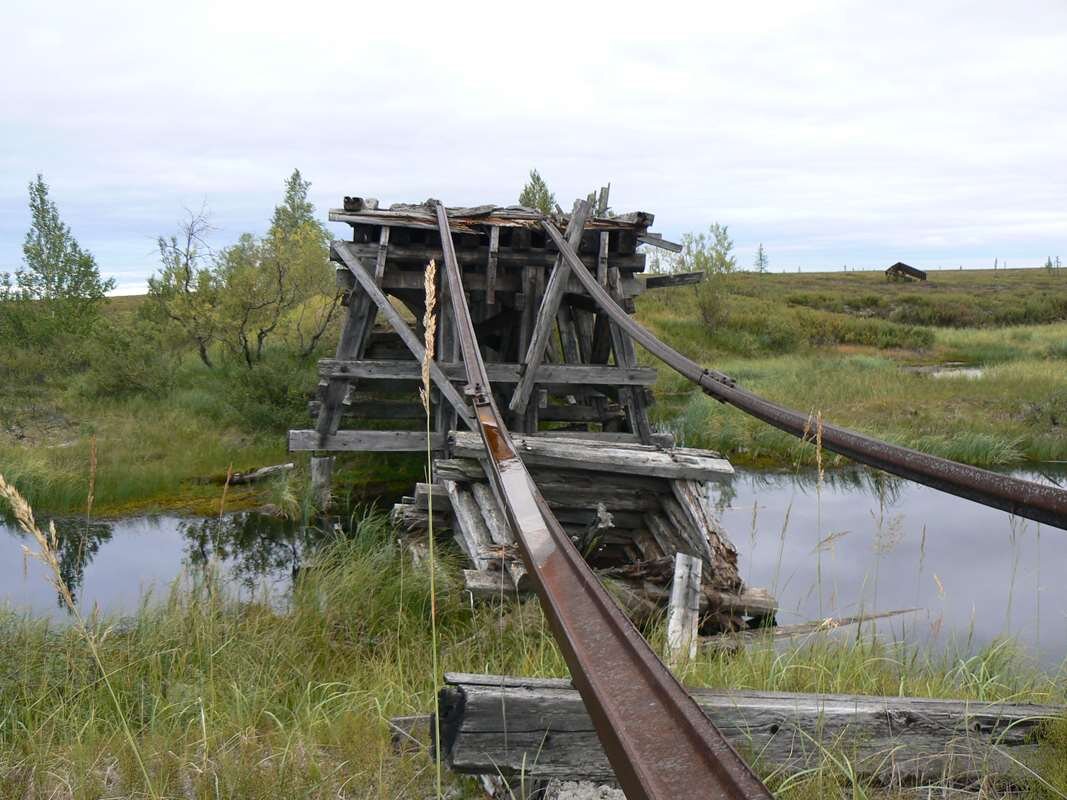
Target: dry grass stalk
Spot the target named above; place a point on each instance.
(47, 554)
(92, 478)
(429, 325)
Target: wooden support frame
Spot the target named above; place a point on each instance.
(383, 254)
(355, 266)
(355, 334)
(490, 267)
(546, 314)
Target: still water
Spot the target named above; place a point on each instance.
(854, 542)
(860, 542)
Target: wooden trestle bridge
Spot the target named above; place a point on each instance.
(549, 473)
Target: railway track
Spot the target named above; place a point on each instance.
(658, 742)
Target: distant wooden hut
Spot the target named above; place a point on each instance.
(901, 271)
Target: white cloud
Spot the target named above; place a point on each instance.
(842, 133)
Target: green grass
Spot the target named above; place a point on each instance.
(835, 358)
(250, 701)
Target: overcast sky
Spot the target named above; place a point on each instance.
(838, 133)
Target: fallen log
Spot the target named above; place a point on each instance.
(262, 473)
(735, 639)
(539, 728)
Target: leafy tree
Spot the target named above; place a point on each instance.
(186, 290)
(535, 194)
(761, 261)
(59, 289)
(1048, 264)
(280, 285)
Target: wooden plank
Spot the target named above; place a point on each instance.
(731, 641)
(683, 610)
(490, 268)
(375, 409)
(463, 220)
(408, 336)
(602, 259)
(539, 728)
(674, 279)
(546, 315)
(507, 282)
(636, 408)
(470, 529)
(615, 457)
(549, 374)
(376, 441)
(658, 241)
(383, 252)
(488, 584)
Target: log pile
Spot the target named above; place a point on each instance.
(634, 511)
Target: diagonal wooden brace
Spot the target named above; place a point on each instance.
(366, 280)
(546, 315)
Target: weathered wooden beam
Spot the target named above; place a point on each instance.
(658, 241)
(490, 268)
(470, 530)
(539, 728)
(355, 334)
(508, 282)
(678, 462)
(683, 609)
(376, 441)
(398, 324)
(375, 409)
(383, 254)
(731, 641)
(546, 315)
(674, 279)
(551, 374)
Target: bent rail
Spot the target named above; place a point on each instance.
(658, 741)
(1045, 504)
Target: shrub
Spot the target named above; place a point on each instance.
(126, 357)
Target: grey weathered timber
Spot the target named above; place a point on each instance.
(383, 253)
(678, 462)
(658, 241)
(398, 324)
(470, 530)
(262, 473)
(551, 374)
(636, 407)
(380, 441)
(355, 334)
(721, 560)
(375, 409)
(423, 492)
(602, 259)
(508, 283)
(488, 584)
(468, 220)
(661, 440)
(674, 279)
(539, 728)
(499, 529)
(683, 609)
(321, 481)
(490, 267)
(545, 320)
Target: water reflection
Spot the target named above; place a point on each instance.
(110, 564)
(859, 540)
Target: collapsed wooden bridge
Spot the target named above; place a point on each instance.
(583, 482)
(577, 400)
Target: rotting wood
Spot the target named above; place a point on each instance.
(678, 462)
(470, 530)
(539, 728)
(683, 609)
(258, 474)
(503, 373)
(383, 252)
(674, 279)
(377, 441)
(322, 482)
(490, 267)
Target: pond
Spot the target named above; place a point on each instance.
(858, 541)
(861, 542)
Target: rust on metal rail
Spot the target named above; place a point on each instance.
(1035, 501)
(658, 741)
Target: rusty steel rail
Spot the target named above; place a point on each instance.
(1035, 501)
(658, 741)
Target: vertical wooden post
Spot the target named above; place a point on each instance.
(683, 610)
(322, 482)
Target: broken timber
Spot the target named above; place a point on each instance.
(569, 376)
(539, 728)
